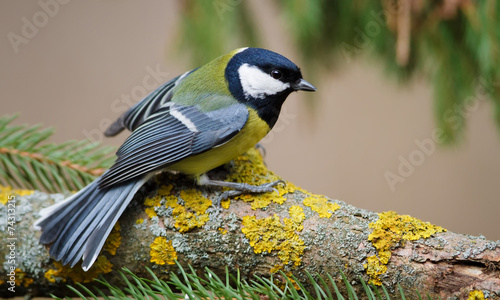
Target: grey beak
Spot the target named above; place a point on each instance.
(302, 85)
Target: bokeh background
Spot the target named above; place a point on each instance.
(82, 66)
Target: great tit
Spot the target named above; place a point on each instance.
(192, 124)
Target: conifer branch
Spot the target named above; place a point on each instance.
(26, 161)
(454, 44)
(208, 285)
(307, 237)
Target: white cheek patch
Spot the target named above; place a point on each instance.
(258, 84)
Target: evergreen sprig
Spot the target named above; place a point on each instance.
(192, 285)
(454, 44)
(27, 162)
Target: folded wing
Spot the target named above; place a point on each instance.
(171, 134)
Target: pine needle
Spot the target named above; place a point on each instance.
(191, 285)
(455, 45)
(28, 162)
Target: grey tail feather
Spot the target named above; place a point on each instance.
(116, 127)
(78, 227)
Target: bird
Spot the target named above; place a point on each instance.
(191, 124)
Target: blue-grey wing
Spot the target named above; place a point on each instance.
(171, 134)
(137, 114)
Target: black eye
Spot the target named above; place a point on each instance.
(276, 74)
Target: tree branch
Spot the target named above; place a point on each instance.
(292, 230)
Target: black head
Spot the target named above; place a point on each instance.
(263, 79)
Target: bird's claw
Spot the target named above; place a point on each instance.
(246, 188)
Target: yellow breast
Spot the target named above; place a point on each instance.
(254, 130)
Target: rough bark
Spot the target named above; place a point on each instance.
(295, 232)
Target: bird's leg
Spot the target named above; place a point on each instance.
(238, 188)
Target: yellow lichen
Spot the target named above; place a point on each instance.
(281, 282)
(188, 216)
(295, 285)
(194, 201)
(155, 201)
(114, 240)
(321, 205)
(250, 168)
(259, 201)
(150, 212)
(225, 203)
(20, 278)
(374, 268)
(76, 274)
(51, 275)
(151, 203)
(476, 295)
(139, 221)
(193, 213)
(222, 231)
(390, 231)
(270, 234)
(297, 216)
(162, 252)
(165, 190)
(276, 268)
(297, 213)
(8, 193)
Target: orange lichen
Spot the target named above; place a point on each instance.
(321, 205)
(270, 234)
(114, 240)
(162, 252)
(390, 231)
(76, 274)
(7, 193)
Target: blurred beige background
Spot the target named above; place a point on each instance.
(80, 66)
